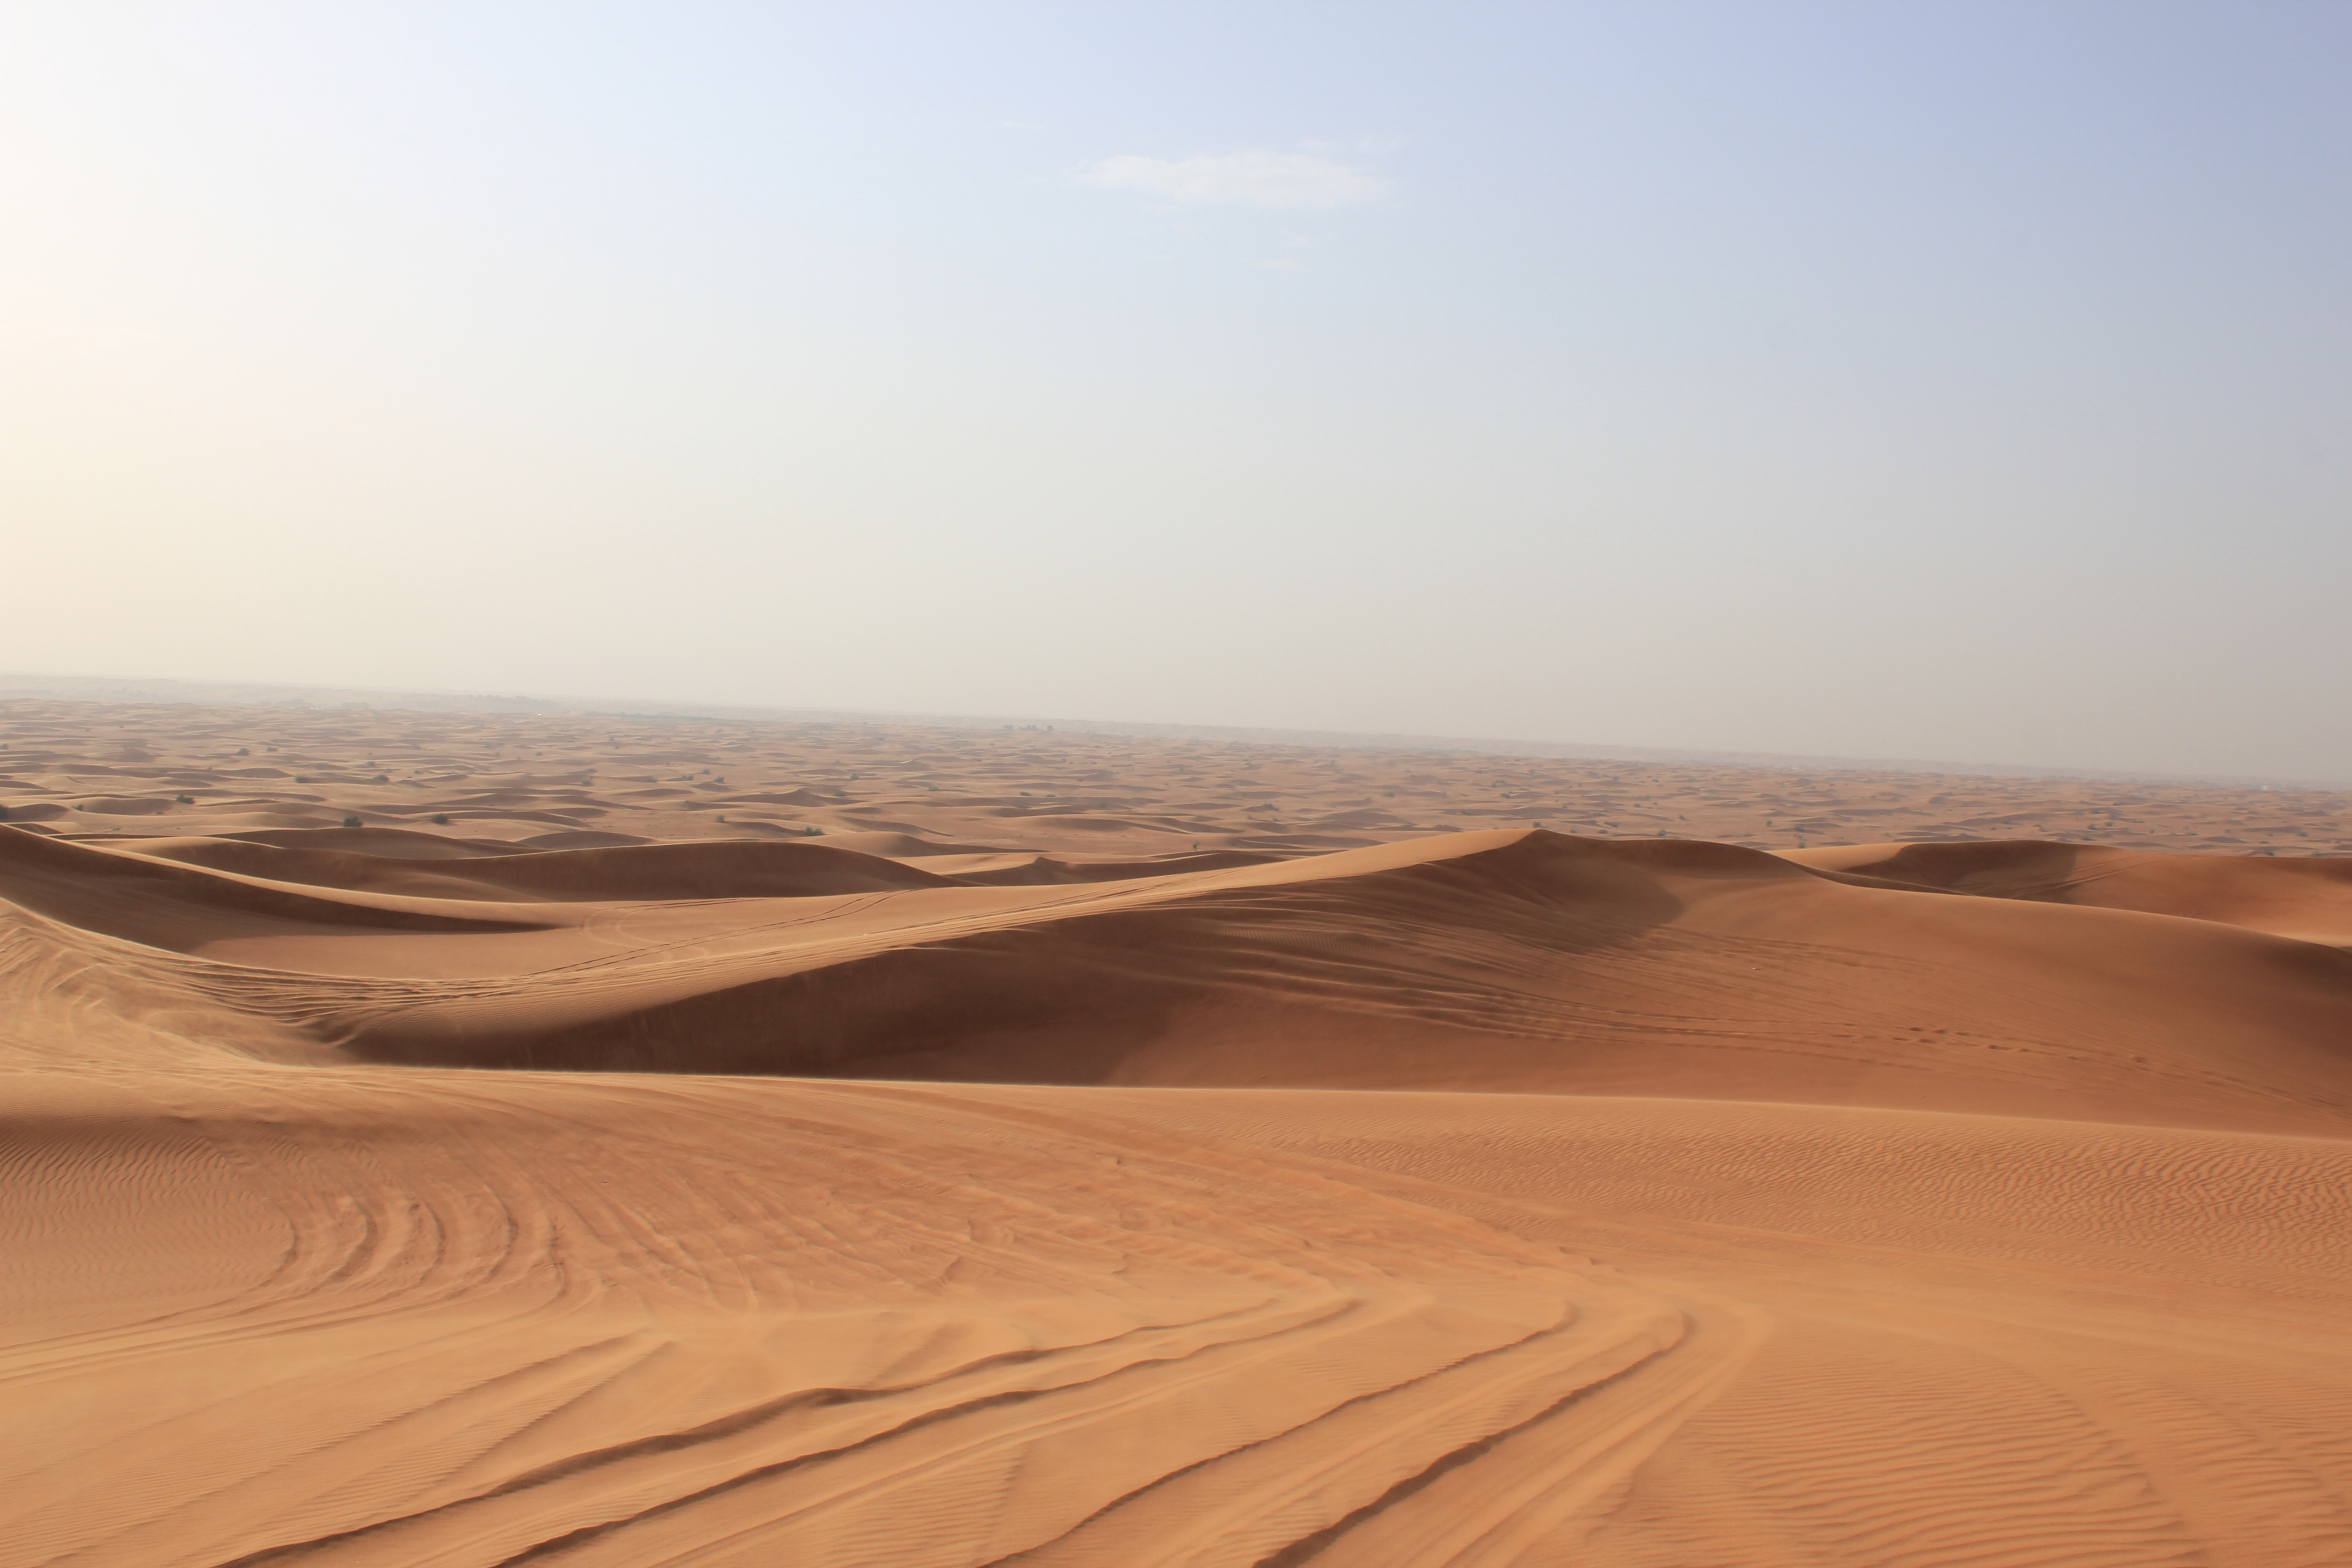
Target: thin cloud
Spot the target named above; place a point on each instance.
(1240, 179)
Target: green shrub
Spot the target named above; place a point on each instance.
(184, 800)
(350, 822)
(439, 819)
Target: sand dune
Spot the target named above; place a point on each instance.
(1523, 960)
(415, 1193)
(2307, 898)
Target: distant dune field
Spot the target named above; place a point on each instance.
(480, 1140)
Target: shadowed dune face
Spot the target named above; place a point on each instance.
(635, 872)
(2308, 899)
(1529, 960)
(162, 904)
(910, 1197)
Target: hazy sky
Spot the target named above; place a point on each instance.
(1895, 379)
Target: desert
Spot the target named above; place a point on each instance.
(1552, 783)
(601, 1139)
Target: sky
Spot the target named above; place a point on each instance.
(1934, 381)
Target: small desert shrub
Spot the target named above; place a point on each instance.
(244, 750)
(184, 800)
(439, 819)
(299, 778)
(350, 822)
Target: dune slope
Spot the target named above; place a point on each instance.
(1524, 961)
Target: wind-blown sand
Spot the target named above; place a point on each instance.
(1213, 1155)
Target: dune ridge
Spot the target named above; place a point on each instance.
(408, 1194)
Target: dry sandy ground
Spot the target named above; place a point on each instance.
(85, 767)
(1107, 1152)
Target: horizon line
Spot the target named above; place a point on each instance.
(14, 685)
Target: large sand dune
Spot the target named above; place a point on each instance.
(1127, 1183)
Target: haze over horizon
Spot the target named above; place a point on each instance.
(1947, 380)
(145, 691)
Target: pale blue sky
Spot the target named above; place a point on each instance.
(1917, 380)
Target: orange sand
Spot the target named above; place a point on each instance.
(1216, 1154)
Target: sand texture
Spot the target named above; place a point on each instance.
(1005, 1147)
